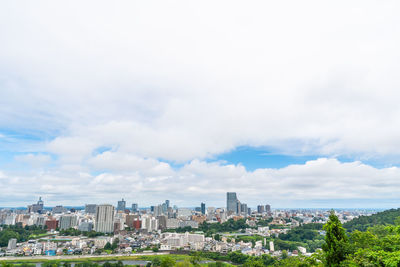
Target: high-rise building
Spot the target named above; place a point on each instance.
(162, 222)
(231, 202)
(260, 209)
(51, 224)
(164, 208)
(121, 205)
(38, 207)
(40, 221)
(238, 207)
(243, 209)
(167, 203)
(135, 208)
(59, 209)
(90, 208)
(203, 208)
(149, 223)
(130, 219)
(158, 210)
(104, 218)
(12, 243)
(85, 226)
(67, 221)
(268, 208)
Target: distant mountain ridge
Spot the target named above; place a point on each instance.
(381, 218)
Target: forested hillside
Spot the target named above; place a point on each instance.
(381, 218)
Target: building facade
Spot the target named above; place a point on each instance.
(104, 218)
(231, 202)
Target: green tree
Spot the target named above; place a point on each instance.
(108, 246)
(362, 239)
(156, 261)
(254, 262)
(217, 237)
(195, 259)
(284, 254)
(336, 243)
(185, 263)
(167, 262)
(237, 257)
(115, 244)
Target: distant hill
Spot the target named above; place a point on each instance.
(381, 218)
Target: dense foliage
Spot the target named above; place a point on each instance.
(212, 228)
(228, 226)
(20, 233)
(336, 241)
(75, 232)
(381, 218)
(307, 236)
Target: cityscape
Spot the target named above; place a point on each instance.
(160, 228)
(180, 133)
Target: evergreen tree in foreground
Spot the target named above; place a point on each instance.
(336, 242)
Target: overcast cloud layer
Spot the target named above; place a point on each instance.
(102, 100)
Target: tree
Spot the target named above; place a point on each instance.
(167, 262)
(115, 244)
(195, 259)
(108, 246)
(156, 261)
(284, 254)
(185, 263)
(362, 239)
(217, 237)
(254, 262)
(237, 257)
(336, 246)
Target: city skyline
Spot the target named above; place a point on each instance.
(135, 207)
(283, 103)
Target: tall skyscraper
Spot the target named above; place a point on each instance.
(121, 205)
(260, 209)
(135, 208)
(164, 208)
(167, 203)
(203, 208)
(238, 207)
(158, 210)
(231, 202)
(243, 209)
(104, 218)
(268, 208)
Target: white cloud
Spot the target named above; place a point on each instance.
(184, 81)
(183, 87)
(318, 180)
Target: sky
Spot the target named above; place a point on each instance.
(288, 103)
